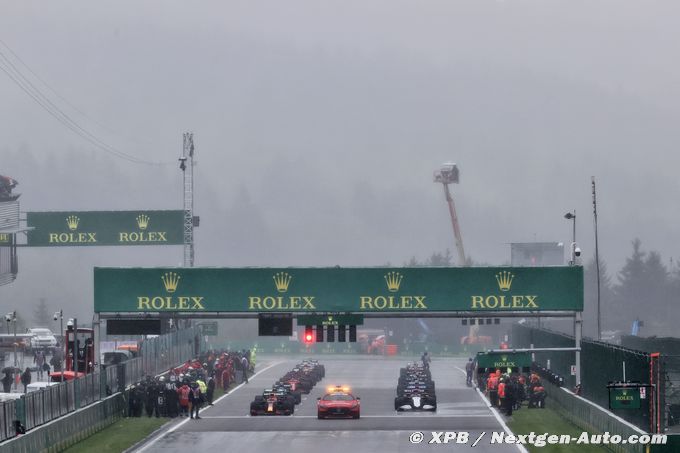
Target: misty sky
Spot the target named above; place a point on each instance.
(318, 125)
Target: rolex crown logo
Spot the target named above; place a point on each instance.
(143, 221)
(504, 279)
(504, 358)
(72, 222)
(170, 281)
(393, 280)
(282, 280)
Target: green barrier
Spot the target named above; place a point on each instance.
(672, 445)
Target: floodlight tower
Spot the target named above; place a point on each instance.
(448, 174)
(186, 164)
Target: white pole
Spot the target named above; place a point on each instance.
(624, 371)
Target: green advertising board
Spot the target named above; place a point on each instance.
(624, 398)
(503, 360)
(93, 228)
(339, 290)
(209, 328)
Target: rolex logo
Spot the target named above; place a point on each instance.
(393, 280)
(72, 222)
(170, 281)
(504, 358)
(282, 280)
(504, 279)
(143, 221)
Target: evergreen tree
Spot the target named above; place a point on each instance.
(629, 292)
(590, 299)
(41, 315)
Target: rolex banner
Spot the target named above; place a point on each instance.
(91, 228)
(352, 290)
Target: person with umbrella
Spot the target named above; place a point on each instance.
(7, 379)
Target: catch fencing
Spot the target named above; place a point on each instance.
(157, 355)
(601, 363)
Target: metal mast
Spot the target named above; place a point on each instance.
(456, 226)
(187, 167)
(449, 174)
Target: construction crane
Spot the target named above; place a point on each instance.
(448, 174)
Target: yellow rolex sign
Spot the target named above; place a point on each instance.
(339, 290)
(91, 228)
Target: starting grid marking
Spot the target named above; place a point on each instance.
(292, 417)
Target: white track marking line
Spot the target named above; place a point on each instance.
(500, 420)
(173, 428)
(495, 413)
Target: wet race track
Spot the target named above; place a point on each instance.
(226, 426)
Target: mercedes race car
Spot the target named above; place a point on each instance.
(273, 402)
(415, 389)
(289, 389)
(338, 403)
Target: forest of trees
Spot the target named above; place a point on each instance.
(645, 288)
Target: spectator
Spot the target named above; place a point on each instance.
(39, 360)
(26, 378)
(55, 361)
(7, 382)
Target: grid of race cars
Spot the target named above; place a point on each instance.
(415, 391)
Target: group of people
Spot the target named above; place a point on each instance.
(41, 366)
(508, 391)
(185, 389)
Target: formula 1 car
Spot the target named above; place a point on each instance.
(338, 403)
(304, 376)
(414, 399)
(272, 403)
(288, 389)
(415, 389)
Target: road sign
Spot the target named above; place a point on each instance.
(339, 290)
(93, 228)
(209, 328)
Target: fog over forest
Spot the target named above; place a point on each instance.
(318, 126)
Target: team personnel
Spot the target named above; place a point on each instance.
(469, 369)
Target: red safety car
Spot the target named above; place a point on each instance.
(338, 403)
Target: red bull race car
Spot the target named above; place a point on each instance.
(273, 402)
(338, 403)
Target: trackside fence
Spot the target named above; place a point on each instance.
(38, 408)
(63, 432)
(591, 417)
(601, 363)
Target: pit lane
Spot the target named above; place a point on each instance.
(227, 424)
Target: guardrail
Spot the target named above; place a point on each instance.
(591, 417)
(41, 407)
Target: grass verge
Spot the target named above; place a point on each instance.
(120, 436)
(549, 421)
